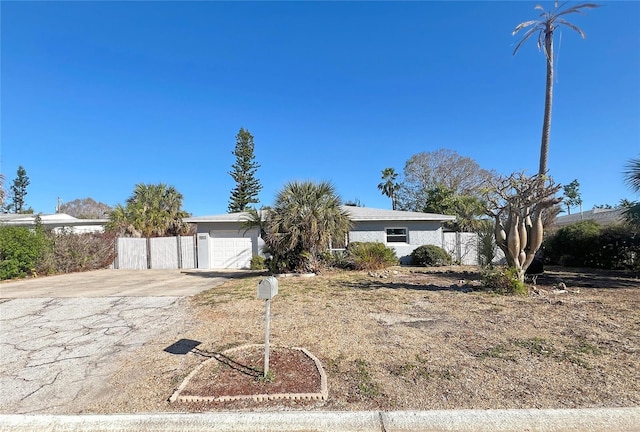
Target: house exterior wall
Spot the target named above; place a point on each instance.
(419, 233)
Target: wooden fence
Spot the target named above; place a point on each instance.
(156, 253)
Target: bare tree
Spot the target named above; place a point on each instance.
(445, 168)
(85, 208)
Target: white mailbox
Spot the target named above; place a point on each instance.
(268, 288)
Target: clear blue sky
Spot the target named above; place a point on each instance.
(99, 96)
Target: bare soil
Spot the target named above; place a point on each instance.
(241, 373)
(409, 338)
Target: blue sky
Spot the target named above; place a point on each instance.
(99, 96)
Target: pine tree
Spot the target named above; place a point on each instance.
(18, 191)
(244, 174)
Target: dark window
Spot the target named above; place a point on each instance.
(397, 235)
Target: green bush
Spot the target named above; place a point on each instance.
(20, 250)
(257, 263)
(430, 255)
(370, 256)
(574, 245)
(587, 244)
(503, 281)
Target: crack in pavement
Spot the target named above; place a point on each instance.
(62, 356)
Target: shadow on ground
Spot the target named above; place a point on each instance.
(230, 274)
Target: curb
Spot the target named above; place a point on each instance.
(545, 420)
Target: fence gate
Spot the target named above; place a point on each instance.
(156, 253)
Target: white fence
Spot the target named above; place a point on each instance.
(156, 253)
(462, 246)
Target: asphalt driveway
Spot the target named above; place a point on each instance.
(62, 337)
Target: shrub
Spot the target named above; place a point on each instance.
(337, 259)
(586, 244)
(370, 255)
(257, 263)
(20, 250)
(70, 252)
(503, 281)
(430, 255)
(574, 245)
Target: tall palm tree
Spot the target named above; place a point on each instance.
(389, 187)
(545, 27)
(305, 218)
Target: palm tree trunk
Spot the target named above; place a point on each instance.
(548, 100)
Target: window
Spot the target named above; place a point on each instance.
(397, 235)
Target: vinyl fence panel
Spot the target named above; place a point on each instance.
(164, 252)
(132, 253)
(462, 247)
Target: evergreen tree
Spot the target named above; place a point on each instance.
(18, 191)
(244, 174)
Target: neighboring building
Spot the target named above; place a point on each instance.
(55, 222)
(222, 243)
(600, 216)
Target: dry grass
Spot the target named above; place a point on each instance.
(421, 339)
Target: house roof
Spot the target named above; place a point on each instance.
(600, 216)
(58, 219)
(356, 214)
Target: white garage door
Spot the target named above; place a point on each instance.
(230, 250)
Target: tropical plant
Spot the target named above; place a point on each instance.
(517, 204)
(153, 210)
(370, 256)
(545, 28)
(389, 187)
(244, 174)
(486, 243)
(632, 178)
(466, 208)
(302, 223)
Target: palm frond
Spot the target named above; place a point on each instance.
(572, 27)
(523, 25)
(577, 9)
(526, 36)
(632, 174)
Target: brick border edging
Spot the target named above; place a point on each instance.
(322, 395)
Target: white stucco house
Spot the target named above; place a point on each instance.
(223, 243)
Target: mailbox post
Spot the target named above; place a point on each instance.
(267, 289)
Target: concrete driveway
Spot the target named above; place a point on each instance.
(62, 337)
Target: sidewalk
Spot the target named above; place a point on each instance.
(582, 420)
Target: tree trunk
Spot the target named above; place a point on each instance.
(548, 100)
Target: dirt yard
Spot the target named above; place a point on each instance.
(415, 338)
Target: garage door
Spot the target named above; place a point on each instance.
(229, 250)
